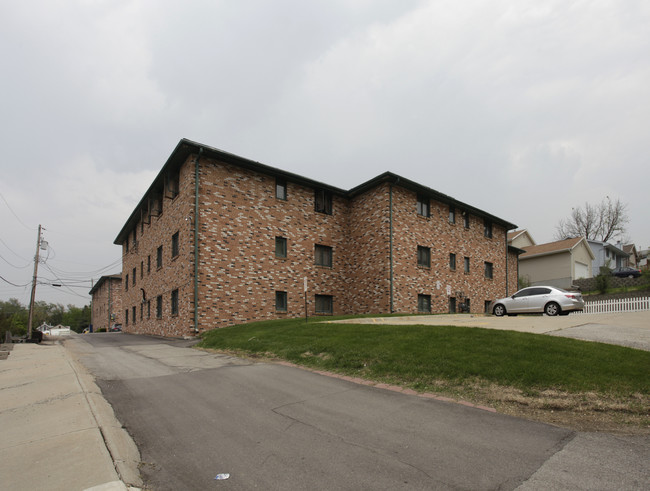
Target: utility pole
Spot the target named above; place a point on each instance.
(31, 302)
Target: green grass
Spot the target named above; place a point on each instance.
(422, 356)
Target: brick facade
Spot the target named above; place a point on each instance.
(240, 219)
(106, 302)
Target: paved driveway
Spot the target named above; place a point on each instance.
(626, 329)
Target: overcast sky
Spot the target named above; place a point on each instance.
(521, 108)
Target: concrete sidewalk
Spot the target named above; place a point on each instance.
(56, 430)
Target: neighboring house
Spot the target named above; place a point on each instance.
(106, 302)
(557, 263)
(633, 259)
(520, 239)
(607, 255)
(219, 240)
(643, 259)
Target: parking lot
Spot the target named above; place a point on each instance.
(630, 329)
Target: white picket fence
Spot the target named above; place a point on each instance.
(635, 304)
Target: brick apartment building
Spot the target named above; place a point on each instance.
(106, 302)
(260, 234)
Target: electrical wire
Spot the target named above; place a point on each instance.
(14, 214)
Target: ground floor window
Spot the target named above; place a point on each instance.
(424, 304)
(281, 301)
(324, 304)
(174, 302)
(159, 306)
(487, 306)
(452, 305)
(133, 314)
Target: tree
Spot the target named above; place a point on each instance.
(602, 222)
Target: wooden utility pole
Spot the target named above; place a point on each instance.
(31, 302)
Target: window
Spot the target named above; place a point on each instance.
(281, 189)
(424, 304)
(175, 302)
(175, 245)
(424, 257)
(149, 263)
(324, 304)
(452, 214)
(159, 307)
(466, 219)
(281, 301)
(159, 257)
(141, 311)
(280, 247)
(423, 206)
(323, 201)
(486, 306)
(133, 310)
(148, 309)
(452, 262)
(466, 262)
(133, 276)
(126, 245)
(126, 317)
(141, 269)
(323, 255)
(126, 283)
(488, 270)
(487, 229)
(452, 305)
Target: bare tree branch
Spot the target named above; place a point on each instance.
(602, 222)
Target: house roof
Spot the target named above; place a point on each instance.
(102, 280)
(609, 247)
(185, 148)
(556, 247)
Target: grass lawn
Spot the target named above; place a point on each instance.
(450, 359)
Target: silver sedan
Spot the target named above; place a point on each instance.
(547, 300)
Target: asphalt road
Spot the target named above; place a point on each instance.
(195, 415)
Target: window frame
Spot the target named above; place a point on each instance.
(466, 264)
(452, 215)
(323, 201)
(423, 206)
(422, 300)
(176, 246)
(329, 304)
(159, 307)
(487, 229)
(424, 257)
(466, 219)
(281, 243)
(281, 189)
(452, 261)
(489, 270)
(159, 257)
(323, 256)
(174, 303)
(281, 301)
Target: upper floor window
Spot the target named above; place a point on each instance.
(424, 256)
(323, 255)
(174, 302)
(466, 261)
(159, 257)
(487, 229)
(323, 201)
(466, 219)
(159, 307)
(280, 247)
(175, 245)
(452, 214)
(489, 270)
(452, 262)
(133, 276)
(423, 206)
(126, 283)
(281, 189)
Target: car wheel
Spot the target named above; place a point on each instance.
(552, 309)
(499, 310)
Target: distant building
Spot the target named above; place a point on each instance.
(219, 240)
(607, 255)
(106, 302)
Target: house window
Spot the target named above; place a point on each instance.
(149, 264)
(175, 302)
(141, 311)
(466, 262)
(487, 229)
(159, 257)
(424, 257)
(324, 304)
(323, 201)
(148, 309)
(126, 283)
(486, 306)
(281, 189)
(280, 247)
(424, 304)
(465, 219)
(175, 245)
(159, 307)
(452, 305)
(173, 185)
(126, 245)
(423, 206)
(133, 310)
(323, 255)
(281, 301)
(488, 270)
(141, 269)
(452, 262)
(133, 276)
(452, 214)
(126, 317)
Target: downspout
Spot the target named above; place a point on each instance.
(196, 241)
(507, 276)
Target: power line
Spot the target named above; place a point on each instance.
(13, 284)
(31, 229)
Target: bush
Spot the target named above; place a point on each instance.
(602, 283)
